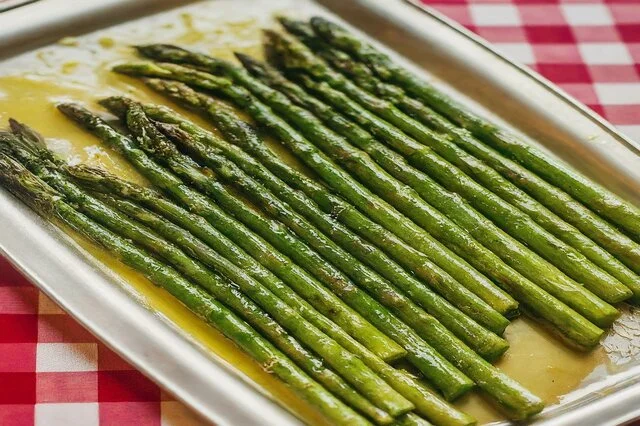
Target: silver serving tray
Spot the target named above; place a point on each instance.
(457, 61)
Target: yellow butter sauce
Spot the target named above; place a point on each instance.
(78, 72)
(32, 100)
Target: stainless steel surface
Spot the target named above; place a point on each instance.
(457, 62)
(43, 22)
(12, 4)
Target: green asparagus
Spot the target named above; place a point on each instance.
(209, 150)
(347, 364)
(567, 321)
(46, 202)
(426, 402)
(480, 285)
(410, 202)
(413, 260)
(427, 326)
(350, 366)
(516, 401)
(367, 202)
(420, 353)
(483, 171)
(312, 291)
(503, 389)
(433, 365)
(594, 196)
(515, 254)
(421, 158)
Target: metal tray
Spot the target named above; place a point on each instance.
(458, 62)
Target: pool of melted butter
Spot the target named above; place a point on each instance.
(78, 70)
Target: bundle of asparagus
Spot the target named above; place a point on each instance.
(429, 228)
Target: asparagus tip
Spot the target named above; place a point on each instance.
(243, 57)
(173, 132)
(68, 108)
(157, 49)
(316, 21)
(179, 92)
(271, 35)
(287, 21)
(26, 186)
(117, 105)
(251, 64)
(26, 133)
(142, 68)
(93, 178)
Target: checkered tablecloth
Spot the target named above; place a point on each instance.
(53, 372)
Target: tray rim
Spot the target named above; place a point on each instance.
(529, 72)
(629, 395)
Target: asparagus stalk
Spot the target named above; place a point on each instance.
(487, 171)
(421, 158)
(419, 352)
(427, 326)
(572, 325)
(322, 299)
(482, 286)
(411, 419)
(473, 167)
(350, 366)
(42, 199)
(426, 402)
(416, 262)
(502, 388)
(434, 366)
(205, 147)
(243, 135)
(409, 201)
(347, 364)
(367, 202)
(513, 253)
(517, 401)
(599, 199)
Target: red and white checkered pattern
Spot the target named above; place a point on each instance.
(53, 372)
(589, 48)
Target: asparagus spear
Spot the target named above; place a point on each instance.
(604, 202)
(427, 403)
(420, 353)
(367, 202)
(301, 98)
(487, 171)
(46, 202)
(408, 200)
(504, 390)
(336, 207)
(477, 283)
(206, 148)
(350, 366)
(518, 402)
(427, 326)
(572, 325)
(513, 253)
(347, 364)
(322, 299)
(433, 365)
(421, 158)
(411, 419)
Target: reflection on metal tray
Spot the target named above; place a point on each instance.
(458, 63)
